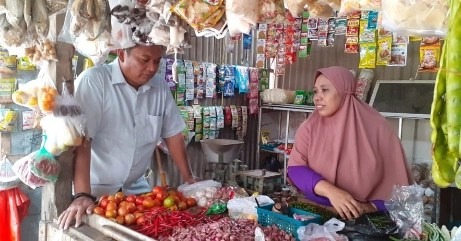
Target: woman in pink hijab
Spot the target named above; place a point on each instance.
(345, 154)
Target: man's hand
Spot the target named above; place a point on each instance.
(76, 210)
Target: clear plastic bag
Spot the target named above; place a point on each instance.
(246, 207)
(296, 7)
(121, 32)
(319, 10)
(406, 208)
(241, 16)
(199, 14)
(325, 232)
(26, 95)
(46, 93)
(271, 11)
(8, 178)
(44, 165)
(416, 18)
(97, 50)
(22, 168)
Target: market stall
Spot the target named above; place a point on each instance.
(255, 61)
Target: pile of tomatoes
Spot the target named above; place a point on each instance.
(129, 209)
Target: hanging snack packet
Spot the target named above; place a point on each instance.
(44, 165)
(8, 179)
(271, 11)
(8, 120)
(429, 56)
(200, 14)
(367, 55)
(242, 78)
(398, 55)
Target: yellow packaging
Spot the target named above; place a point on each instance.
(367, 56)
(383, 56)
(199, 13)
(429, 58)
(6, 90)
(24, 64)
(8, 120)
(87, 64)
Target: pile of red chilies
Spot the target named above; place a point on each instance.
(160, 222)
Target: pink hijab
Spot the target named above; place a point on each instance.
(355, 148)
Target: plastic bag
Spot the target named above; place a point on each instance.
(278, 96)
(121, 32)
(246, 207)
(22, 168)
(420, 18)
(296, 7)
(319, 10)
(241, 16)
(56, 6)
(271, 11)
(46, 93)
(26, 95)
(325, 232)
(406, 208)
(363, 84)
(199, 14)
(97, 50)
(43, 51)
(8, 178)
(44, 165)
(371, 226)
(202, 191)
(14, 205)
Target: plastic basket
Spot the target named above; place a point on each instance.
(267, 217)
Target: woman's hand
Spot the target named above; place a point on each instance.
(76, 210)
(343, 202)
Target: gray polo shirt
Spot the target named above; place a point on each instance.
(125, 125)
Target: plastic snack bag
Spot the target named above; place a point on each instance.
(44, 165)
(420, 18)
(121, 32)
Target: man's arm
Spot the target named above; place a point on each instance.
(82, 168)
(177, 150)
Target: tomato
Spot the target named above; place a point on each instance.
(122, 211)
(120, 219)
(150, 195)
(139, 200)
(141, 208)
(174, 208)
(103, 197)
(157, 203)
(191, 202)
(131, 207)
(130, 219)
(99, 211)
(172, 192)
(175, 198)
(140, 220)
(168, 202)
(182, 205)
(161, 196)
(131, 198)
(103, 203)
(122, 203)
(148, 203)
(111, 213)
(111, 206)
(157, 189)
(111, 198)
(120, 195)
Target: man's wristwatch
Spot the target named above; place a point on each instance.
(84, 194)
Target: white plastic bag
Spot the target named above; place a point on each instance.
(246, 207)
(8, 178)
(278, 96)
(121, 33)
(326, 232)
(420, 18)
(241, 16)
(189, 189)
